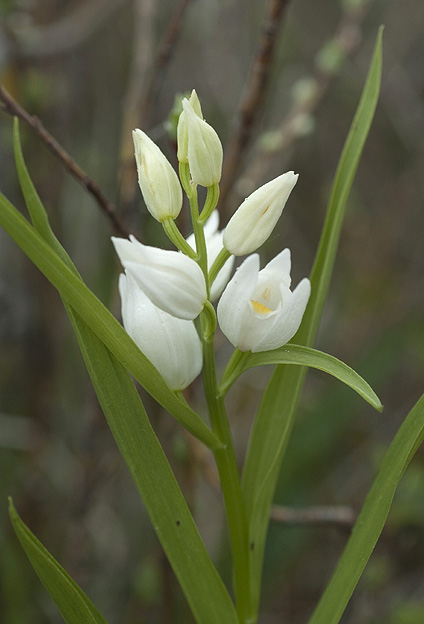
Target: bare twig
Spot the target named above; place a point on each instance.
(340, 516)
(345, 41)
(144, 11)
(253, 101)
(143, 88)
(164, 55)
(10, 106)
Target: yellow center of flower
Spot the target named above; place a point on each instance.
(261, 308)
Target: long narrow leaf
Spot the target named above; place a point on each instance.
(372, 518)
(275, 418)
(170, 516)
(305, 356)
(101, 321)
(74, 605)
(139, 446)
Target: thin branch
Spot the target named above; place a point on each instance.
(163, 57)
(345, 41)
(143, 14)
(340, 516)
(143, 88)
(252, 103)
(10, 106)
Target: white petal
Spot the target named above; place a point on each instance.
(288, 320)
(174, 282)
(279, 267)
(157, 179)
(171, 344)
(254, 220)
(236, 297)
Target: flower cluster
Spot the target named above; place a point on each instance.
(163, 292)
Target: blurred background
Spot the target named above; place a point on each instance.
(280, 82)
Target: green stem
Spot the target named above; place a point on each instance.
(230, 481)
(199, 235)
(219, 262)
(211, 202)
(232, 370)
(175, 236)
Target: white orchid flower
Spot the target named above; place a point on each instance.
(171, 344)
(213, 239)
(204, 149)
(257, 310)
(157, 179)
(174, 282)
(253, 222)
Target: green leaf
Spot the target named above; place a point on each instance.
(372, 518)
(141, 449)
(275, 418)
(143, 454)
(35, 207)
(71, 601)
(305, 356)
(102, 322)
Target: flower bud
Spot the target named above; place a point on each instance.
(158, 181)
(182, 131)
(172, 281)
(204, 150)
(257, 310)
(254, 220)
(171, 344)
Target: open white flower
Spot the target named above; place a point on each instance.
(253, 222)
(204, 149)
(213, 239)
(171, 344)
(257, 310)
(157, 179)
(174, 282)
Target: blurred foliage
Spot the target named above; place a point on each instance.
(57, 457)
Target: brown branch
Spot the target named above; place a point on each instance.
(11, 107)
(252, 103)
(164, 55)
(340, 516)
(143, 89)
(345, 40)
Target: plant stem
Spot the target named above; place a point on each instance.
(230, 481)
(175, 236)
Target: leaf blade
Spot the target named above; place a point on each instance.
(298, 355)
(274, 421)
(98, 317)
(73, 604)
(143, 454)
(372, 518)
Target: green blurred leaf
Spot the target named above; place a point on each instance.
(97, 316)
(372, 518)
(170, 516)
(305, 356)
(71, 601)
(275, 417)
(140, 448)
